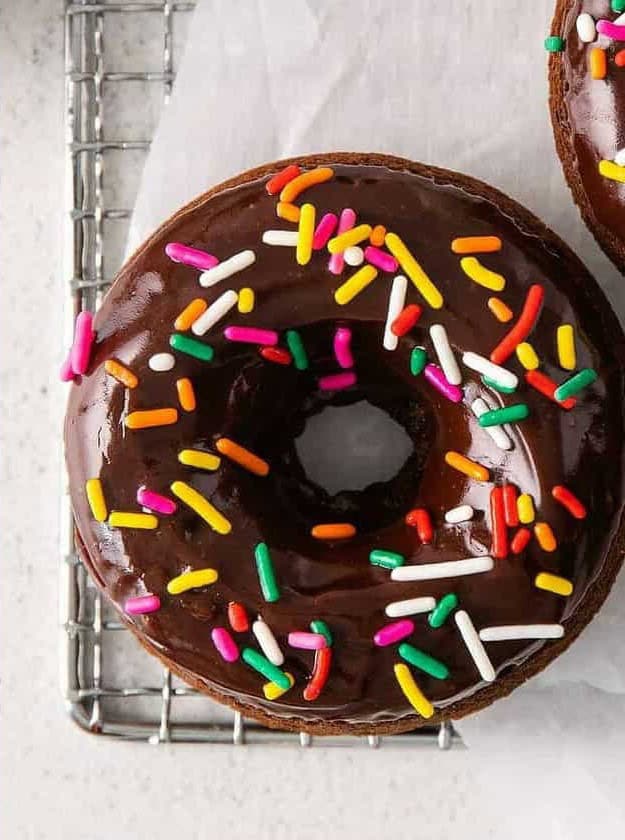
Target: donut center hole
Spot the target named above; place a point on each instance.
(350, 447)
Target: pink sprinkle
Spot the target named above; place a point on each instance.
(346, 222)
(611, 30)
(437, 378)
(156, 502)
(307, 641)
(66, 373)
(337, 381)
(83, 342)
(177, 252)
(380, 259)
(342, 347)
(324, 230)
(394, 632)
(225, 644)
(142, 604)
(251, 335)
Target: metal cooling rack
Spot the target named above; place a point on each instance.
(120, 66)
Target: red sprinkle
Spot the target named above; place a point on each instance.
(511, 513)
(406, 319)
(281, 179)
(321, 671)
(238, 617)
(522, 328)
(499, 548)
(569, 500)
(547, 387)
(520, 540)
(419, 518)
(619, 58)
(276, 354)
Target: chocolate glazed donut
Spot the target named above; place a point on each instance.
(262, 401)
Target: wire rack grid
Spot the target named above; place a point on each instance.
(110, 685)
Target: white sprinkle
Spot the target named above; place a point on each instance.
(396, 301)
(452, 568)
(411, 606)
(620, 20)
(267, 642)
(521, 631)
(227, 268)
(354, 255)
(487, 368)
(479, 406)
(586, 28)
(445, 354)
(287, 238)
(161, 362)
(462, 513)
(474, 646)
(619, 157)
(215, 312)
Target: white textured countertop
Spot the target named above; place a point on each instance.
(58, 782)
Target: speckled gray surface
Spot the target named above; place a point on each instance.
(57, 782)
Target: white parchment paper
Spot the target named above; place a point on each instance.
(463, 85)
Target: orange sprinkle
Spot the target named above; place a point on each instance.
(545, 536)
(500, 310)
(476, 244)
(305, 180)
(151, 418)
(377, 236)
(186, 394)
(467, 466)
(121, 373)
(333, 531)
(242, 456)
(190, 314)
(287, 211)
(598, 63)
(619, 58)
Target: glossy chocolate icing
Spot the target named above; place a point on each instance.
(263, 406)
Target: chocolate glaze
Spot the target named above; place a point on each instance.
(589, 122)
(264, 406)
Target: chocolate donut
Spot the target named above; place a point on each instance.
(425, 294)
(587, 97)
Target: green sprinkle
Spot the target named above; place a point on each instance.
(423, 661)
(575, 384)
(261, 664)
(266, 574)
(554, 43)
(443, 610)
(497, 386)
(509, 414)
(618, 5)
(191, 347)
(418, 359)
(298, 351)
(386, 559)
(319, 626)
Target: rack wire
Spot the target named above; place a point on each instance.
(110, 685)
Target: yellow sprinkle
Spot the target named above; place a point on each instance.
(201, 506)
(500, 310)
(95, 496)
(612, 171)
(413, 270)
(566, 346)
(305, 231)
(289, 212)
(412, 692)
(481, 275)
(353, 236)
(245, 303)
(527, 356)
(191, 580)
(273, 691)
(356, 283)
(525, 508)
(554, 583)
(121, 519)
(198, 459)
